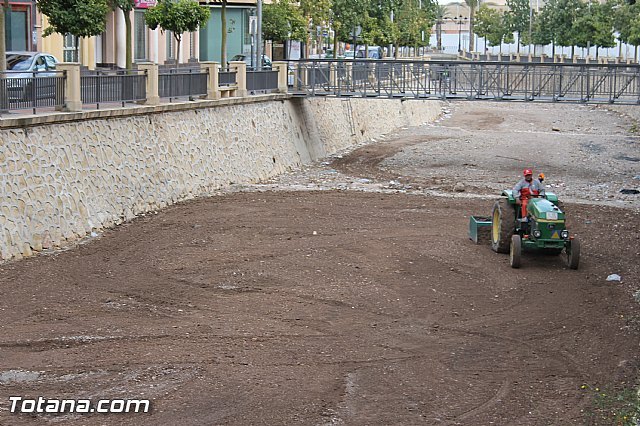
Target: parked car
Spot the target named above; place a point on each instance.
(266, 61)
(22, 68)
(373, 52)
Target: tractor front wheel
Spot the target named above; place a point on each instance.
(573, 254)
(503, 223)
(515, 251)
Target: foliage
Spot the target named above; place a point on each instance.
(559, 17)
(378, 28)
(283, 20)
(542, 31)
(177, 16)
(375, 31)
(346, 15)
(316, 11)
(124, 5)
(410, 19)
(81, 18)
(626, 21)
(413, 20)
(518, 17)
(620, 407)
(493, 25)
(577, 23)
(594, 25)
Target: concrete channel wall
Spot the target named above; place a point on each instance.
(65, 176)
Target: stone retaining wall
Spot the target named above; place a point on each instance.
(62, 180)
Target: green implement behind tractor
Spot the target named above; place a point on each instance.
(542, 229)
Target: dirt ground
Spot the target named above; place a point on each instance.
(348, 293)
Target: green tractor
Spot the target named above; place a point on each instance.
(543, 229)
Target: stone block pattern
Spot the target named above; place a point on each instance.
(61, 181)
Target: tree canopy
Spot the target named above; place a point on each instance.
(493, 26)
(177, 16)
(626, 21)
(81, 18)
(283, 20)
(518, 17)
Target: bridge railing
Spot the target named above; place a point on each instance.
(552, 82)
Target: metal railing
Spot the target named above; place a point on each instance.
(550, 82)
(99, 87)
(181, 83)
(263, 81)
(20, 90)
(226, 77)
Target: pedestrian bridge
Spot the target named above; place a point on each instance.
(498, 81)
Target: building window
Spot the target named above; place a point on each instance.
(140, 36)
(69, 51)
(17, 28)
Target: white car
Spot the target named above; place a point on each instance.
(22, 70)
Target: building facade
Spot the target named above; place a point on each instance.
(239, 38)
(24, 27)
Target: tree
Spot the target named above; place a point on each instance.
(486, 19)
(626, 22)
(177, 16)
(472, 4)
(346, 16)
(315, 12)
(376, 27)
(283, 20)
(562, 16)
(593, 26)
(126, 6)
(518, 17)
(542, 33)
(494, 26)
(415, 18)
(80, 18)
(3, 42)
(440, 11)
(224, 32)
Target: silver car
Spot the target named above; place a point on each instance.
(23, 68)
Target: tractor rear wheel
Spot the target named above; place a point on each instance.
(503, 224)
(515, 251)
(573, 254)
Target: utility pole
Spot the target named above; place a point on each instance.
(259, 37)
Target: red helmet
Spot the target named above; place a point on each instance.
(527, 172)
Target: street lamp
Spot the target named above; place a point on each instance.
(460, 21)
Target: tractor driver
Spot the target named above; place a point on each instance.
(526, 188)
